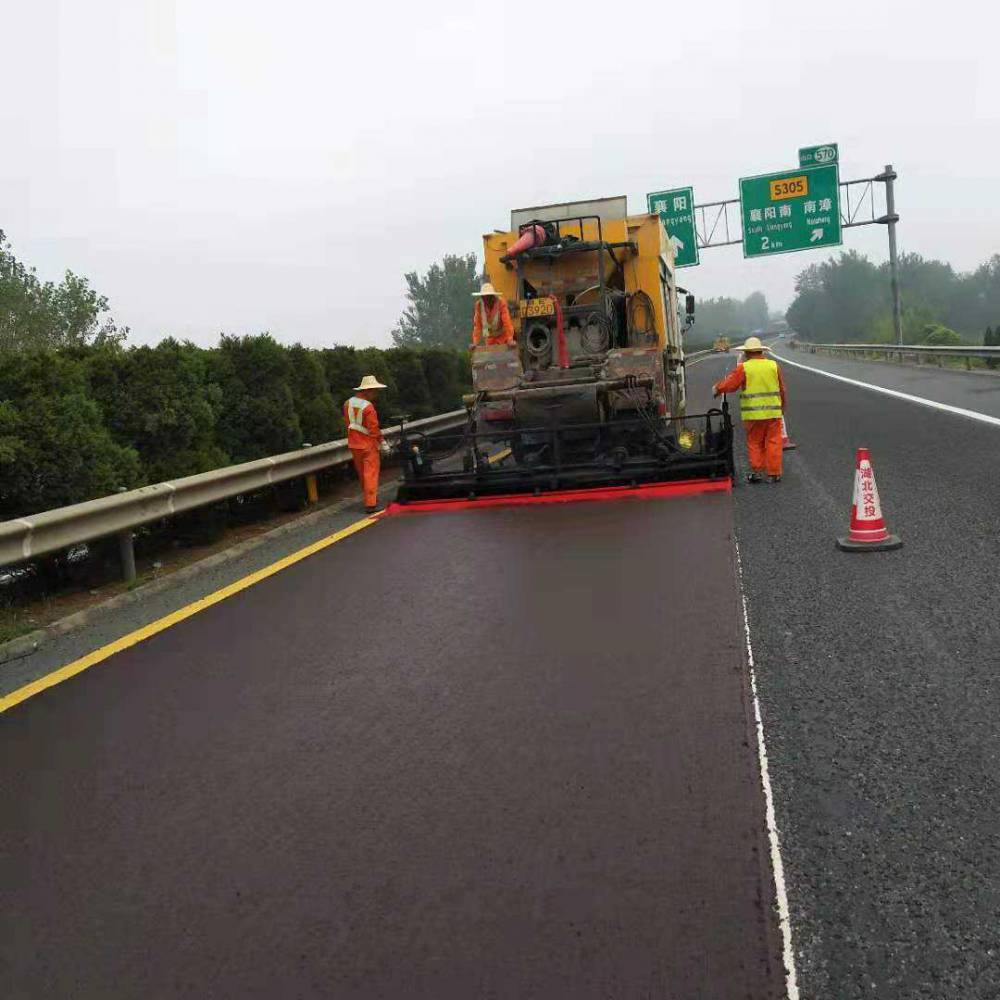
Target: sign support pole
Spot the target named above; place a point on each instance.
(890, 219)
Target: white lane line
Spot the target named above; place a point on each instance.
(958, 411)
(780, 893)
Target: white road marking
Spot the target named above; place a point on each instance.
(958, 411)
(780, 893)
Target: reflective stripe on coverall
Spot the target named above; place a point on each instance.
(761, 407)
(761, 396)
(497, 326)
(363, 437)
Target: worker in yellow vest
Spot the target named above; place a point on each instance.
(762, 402)
(364, 438)
(492, 318)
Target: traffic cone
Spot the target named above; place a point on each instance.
(868, 531)
(787, 444)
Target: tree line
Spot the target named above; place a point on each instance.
(84, 421)
(727, 317)
(848, 299)
(83, 415)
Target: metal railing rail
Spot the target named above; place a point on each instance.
(119, 514)
(901, 351)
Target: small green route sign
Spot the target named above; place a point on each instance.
(818, 156)
(676, 211)
(791, 210)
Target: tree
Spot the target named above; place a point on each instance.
(314, 405)
(412, 395)
(448, 377)
(160, 402)
(440, 309)
(848, 298)
(54, 447)
(343, 372)
(754, 312)
(258, 415)
(838, 300)
(728, 317)
(373, 361)
(34, 314)
(937, 335)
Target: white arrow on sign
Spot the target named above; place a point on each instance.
(817, 234)
(678, 244)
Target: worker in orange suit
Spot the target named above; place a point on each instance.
(365, 440)
(492, 317)
(762, 402)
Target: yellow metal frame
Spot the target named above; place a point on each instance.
(654, 254)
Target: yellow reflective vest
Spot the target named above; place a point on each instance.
(761, 397)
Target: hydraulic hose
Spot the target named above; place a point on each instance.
(563, 350)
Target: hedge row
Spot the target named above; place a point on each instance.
(79, 423)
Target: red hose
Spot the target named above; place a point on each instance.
(560, 335)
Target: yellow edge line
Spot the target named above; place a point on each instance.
(161, 624)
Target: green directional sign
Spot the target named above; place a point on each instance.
(676, 211)
(791, 210)
(818, 156)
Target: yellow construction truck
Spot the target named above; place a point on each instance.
(593, 392)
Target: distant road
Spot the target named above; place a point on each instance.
(978, 391)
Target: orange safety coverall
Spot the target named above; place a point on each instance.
(500, 329)
(365, 448)
(763, 436)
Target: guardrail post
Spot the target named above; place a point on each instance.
(312, 491)
(127, 550)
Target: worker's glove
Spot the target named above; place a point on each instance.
(384, 448)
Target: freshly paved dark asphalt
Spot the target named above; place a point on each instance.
(502, 753)
(879, 677)
(110, 625)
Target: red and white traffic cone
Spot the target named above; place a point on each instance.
(787, 444)
(868, 531)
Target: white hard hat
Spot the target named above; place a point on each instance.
(753, 344)
(369, 382)
(487, 289)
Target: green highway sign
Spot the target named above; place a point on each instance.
(676, 211)
(791, 210)
(818, 156)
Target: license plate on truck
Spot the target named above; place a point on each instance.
(537, 307)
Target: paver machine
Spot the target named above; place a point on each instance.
(592, 396)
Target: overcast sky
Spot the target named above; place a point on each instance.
(235, 165)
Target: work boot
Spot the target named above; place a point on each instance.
(774, 479)
(377, 509)
(754, 477)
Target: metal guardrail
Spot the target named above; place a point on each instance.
(900, 351)
(65, 527)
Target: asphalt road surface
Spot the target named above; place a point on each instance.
(879, 678)
(977, 390)
(497, 753)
